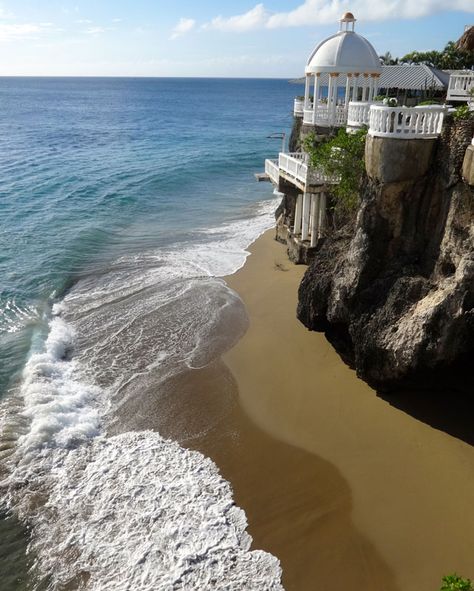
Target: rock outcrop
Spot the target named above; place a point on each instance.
(395, 294)
(466, 42)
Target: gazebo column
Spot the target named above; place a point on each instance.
(332, 96)
(348, 89)
(355, 92)
(298, 212)
(370, 97)
(365, 89)
(376, 85)
(315, 97)
(335, 89)
(306, 91)
(329, 97)
(306, 206)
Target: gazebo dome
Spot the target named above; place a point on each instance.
(345, 52)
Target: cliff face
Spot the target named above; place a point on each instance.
(395, 295)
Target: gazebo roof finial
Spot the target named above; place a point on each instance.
(347, 19)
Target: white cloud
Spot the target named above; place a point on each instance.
(320, 12)
(185, 25)
(95, 30)
(6, 14)
(20, 31)
(253, 19)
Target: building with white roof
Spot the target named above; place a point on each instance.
(345, 57)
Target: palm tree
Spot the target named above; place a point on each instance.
(387, 60)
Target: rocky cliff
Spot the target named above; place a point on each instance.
(394, 292)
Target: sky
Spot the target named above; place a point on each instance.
(236, 38)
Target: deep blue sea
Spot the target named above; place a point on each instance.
(123, 203)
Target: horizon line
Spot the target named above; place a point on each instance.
(149, 77)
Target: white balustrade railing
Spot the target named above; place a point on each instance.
(340, 115)
(296, 166)
(405, 122)
(358, 114)
(337, 117)
(310, 118)
(273, 171)
(299, 107)
(460, 85)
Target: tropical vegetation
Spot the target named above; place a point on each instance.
(456, 583)
(451, 57)
(341, 155)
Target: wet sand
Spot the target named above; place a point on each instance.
(362, 496)
(346, 490)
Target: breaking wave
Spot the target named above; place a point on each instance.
(132, 510)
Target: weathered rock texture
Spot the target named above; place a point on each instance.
(466, 42)
(396, 294)
(468, 166)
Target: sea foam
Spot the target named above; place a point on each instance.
(132, 511)
(137, 512)
(61, 409)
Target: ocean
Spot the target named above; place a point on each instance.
(123, 205)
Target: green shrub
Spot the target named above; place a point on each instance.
(429, 102)
(456, 583)
(462, 113)
(343, 156)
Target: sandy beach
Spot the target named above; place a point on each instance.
(346, 490)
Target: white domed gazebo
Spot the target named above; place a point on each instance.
(347, 61)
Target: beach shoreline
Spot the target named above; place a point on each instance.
(346, 490)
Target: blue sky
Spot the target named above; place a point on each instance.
(206, 37)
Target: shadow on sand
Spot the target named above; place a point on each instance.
(299, 507)
(451, 411)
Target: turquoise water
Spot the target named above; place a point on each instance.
(122, 204)
(93, 168)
